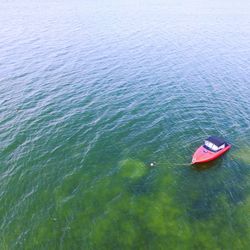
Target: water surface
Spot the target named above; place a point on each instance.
(91, 92)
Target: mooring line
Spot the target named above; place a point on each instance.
(155, 164)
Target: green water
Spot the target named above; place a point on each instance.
(132, 208)
(92, 92)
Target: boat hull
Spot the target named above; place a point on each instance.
(203, 155)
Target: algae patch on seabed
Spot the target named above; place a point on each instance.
(132, 169)
(149, 219)
(228, 228)
(107, 213)
(243, 155)
(113, 216)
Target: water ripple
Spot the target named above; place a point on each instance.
(83, 87)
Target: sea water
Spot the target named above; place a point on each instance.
(92, 92)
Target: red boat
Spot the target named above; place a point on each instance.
(213, 148)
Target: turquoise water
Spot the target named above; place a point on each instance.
(91, 92)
